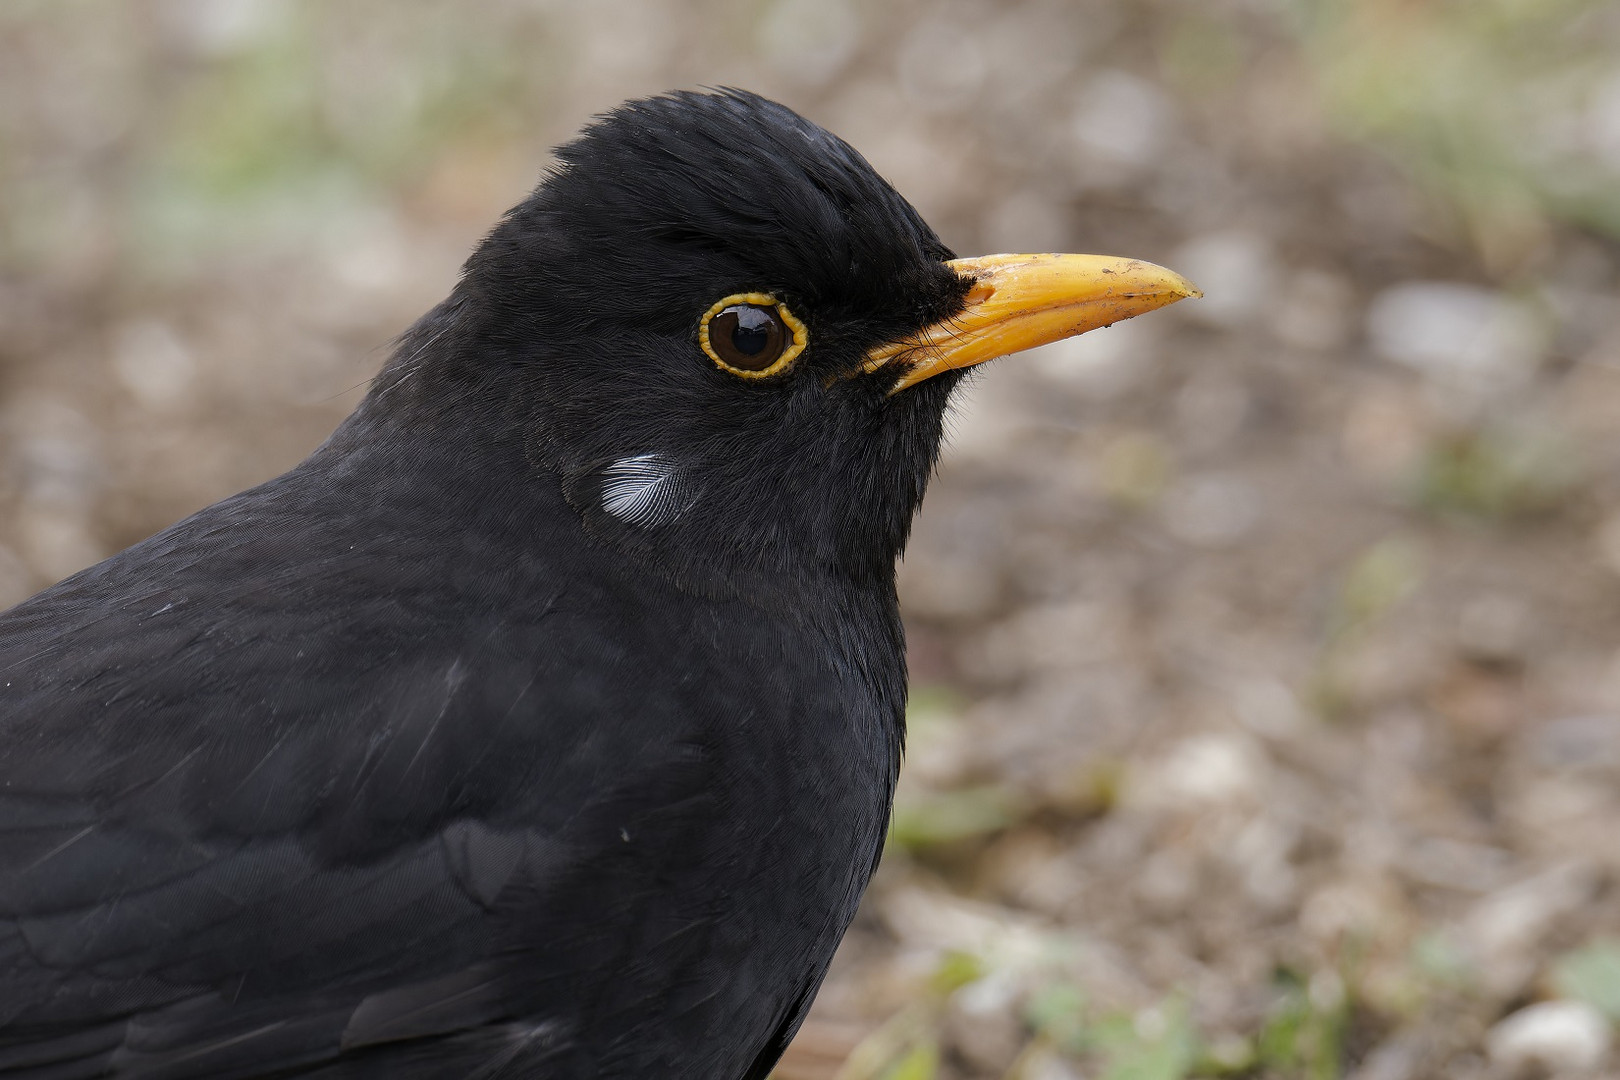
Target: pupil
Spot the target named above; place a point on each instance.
(753, 331)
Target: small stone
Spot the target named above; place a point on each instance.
(1167, 883)
(1494, 628)
(1457, 864)
(1581, 741)
(1518, 916)
(1503, 930)
(1212, 768)
(1123, 122)
(1314, 312)
(1397, 1059)
(1046, 1064)
(1465, 338)
(1210, 409)
(1134, 468)
(1052, 637)
(1261, 855)
(154, 364)
(1386, 433)
(1101, 364)
(1212, 511)
(1326, 991)
(1560, 1036)
(982, 1021)
(1236, 270)
(1603, 121)
(1267, 707)
(370, 256)
(217, 28)
(55, 454)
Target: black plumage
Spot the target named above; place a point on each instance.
(544, 722)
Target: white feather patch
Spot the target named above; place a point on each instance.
(644, 491)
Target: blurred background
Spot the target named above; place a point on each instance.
(1266, 650)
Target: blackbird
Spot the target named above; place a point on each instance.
(544, 722)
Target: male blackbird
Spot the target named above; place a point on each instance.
(544, 722)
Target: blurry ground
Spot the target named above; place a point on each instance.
(1266, 650)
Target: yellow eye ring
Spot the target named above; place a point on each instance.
(789, 344)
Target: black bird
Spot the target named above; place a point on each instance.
(544, 722)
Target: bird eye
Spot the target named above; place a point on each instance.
(752, 335)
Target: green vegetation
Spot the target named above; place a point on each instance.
(1302, 1037)
(1497, 473)
(1506, 111)
(1592, 974)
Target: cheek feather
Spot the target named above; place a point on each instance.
(645, 491)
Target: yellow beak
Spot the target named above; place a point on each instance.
(1020, 301)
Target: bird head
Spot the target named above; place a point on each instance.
(734, 342)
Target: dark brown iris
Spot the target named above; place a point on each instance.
(748, 337)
